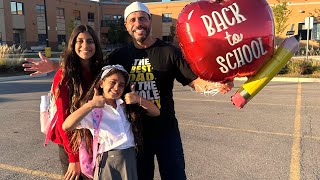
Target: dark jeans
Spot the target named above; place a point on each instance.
(169, 153)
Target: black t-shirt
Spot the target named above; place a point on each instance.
(154, 70)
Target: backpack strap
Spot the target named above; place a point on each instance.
(54, 118)
(50, 129)
(97, 115)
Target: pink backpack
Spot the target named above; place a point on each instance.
(87, 161)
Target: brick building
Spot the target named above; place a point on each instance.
(23, 22)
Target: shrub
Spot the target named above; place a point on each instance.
(300, 66)
(284, 70)
(11, 58)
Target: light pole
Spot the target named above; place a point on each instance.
(45, 19)
(98, 5)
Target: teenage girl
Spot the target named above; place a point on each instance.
(80, 65)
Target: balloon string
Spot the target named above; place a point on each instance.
(207, 91)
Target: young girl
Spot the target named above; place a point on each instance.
(81, 63)
(117, 158)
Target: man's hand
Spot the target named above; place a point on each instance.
(45, 65)
(204, 86)
(225, 87)
(73, 172)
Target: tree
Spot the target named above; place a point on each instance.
(172, 32)
(70, 27)
(117, 33)
(281, 15)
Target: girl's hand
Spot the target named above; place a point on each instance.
(97, 101)
(73, 172)
(132, 97)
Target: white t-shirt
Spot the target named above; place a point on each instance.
(115, 129)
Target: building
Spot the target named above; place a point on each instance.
(23, 22)
(165, 14)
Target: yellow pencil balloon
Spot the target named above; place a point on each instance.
(264, 75)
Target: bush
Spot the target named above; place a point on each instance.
(300, 67)
(284, 70)
(11, 58)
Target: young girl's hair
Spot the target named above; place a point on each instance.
(72, 73)
(133, 111)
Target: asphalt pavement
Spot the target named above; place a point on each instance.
(275, 136)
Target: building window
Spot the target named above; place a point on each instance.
(60, 13)
(76, 15)
(40, 10)
(117, 17)
(167, 17)
(316, 31)
(42, 38)
(90, 17)
(16, 38)
(17, 8)
(61, 39)
(108, 19)
(166, 38)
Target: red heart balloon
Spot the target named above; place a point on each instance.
(227, 38)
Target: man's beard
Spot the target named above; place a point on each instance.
(142, 38)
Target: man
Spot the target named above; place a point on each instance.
(153, 65)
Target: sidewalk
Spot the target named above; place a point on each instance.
(275, 79)
(13, 78)
(287, 79)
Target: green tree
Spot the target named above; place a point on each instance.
(117, 33)
(70, 27)
(172, 32)
(281, 15)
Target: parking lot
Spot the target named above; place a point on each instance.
(275, 136)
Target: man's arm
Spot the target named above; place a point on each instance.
(45, 65)
(201, 85)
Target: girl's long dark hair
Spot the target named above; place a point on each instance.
(77, 86)
(134, 113)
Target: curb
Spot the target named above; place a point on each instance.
(287, 79)
(12, 78)
(275, 79)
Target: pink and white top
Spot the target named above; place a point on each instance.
(115, 129)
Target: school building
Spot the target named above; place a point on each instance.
(24, 22)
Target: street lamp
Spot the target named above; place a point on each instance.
(45, 19)
(98, 4)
